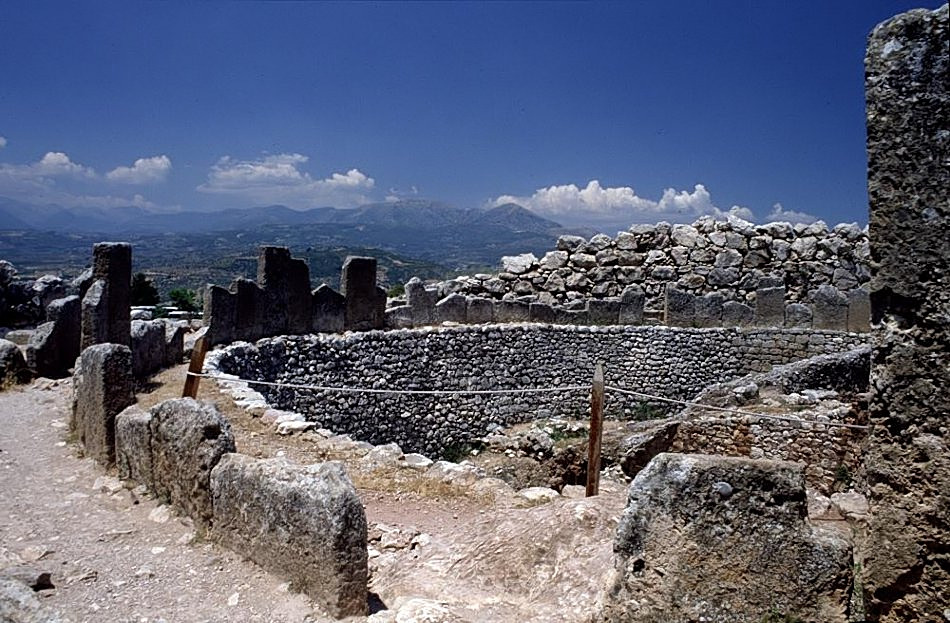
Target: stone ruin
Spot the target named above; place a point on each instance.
(281, 302)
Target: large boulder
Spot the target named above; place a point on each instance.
(12, 364)
(711, 538)
(305, 522)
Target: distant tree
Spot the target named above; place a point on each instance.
(184, 299)
(143, 291)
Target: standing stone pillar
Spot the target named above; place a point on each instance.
(106, 305)
(906, 567)
(358, 283)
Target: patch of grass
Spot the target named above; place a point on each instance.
(457, 452)
(842, 477)
(646, 411)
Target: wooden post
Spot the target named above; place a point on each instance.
(197, 365)
(596, 427)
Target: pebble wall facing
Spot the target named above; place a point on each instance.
(665, 361)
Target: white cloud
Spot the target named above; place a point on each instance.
(142, 171)
(55, 164)
(779, 213)
(619, 206)
(279, 179)
(3, 142)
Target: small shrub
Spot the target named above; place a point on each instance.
(457, 452)
(396, 291)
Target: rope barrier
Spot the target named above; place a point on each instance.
(429, 392)
(527, 390)
(765, 416)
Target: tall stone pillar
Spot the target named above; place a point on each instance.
(106, 305)
(906, 571)
(365, 302)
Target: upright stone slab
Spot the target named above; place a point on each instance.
(52, 349)
(329, 310)
(632, 300)
(511, 311)
(399, 317)
(906, 572)
(102, 383)
(422, 302)
(541, 312)
(285, 283)
(798, 315)
(859, 310)
(148, 347)
(736, 314)
(679, 308)
(174, 343)
(133, 445)
(451, 309)
(95, 315)
(220, 315)
(479, 311)
(358, 284)
(770, 306)
(830, 308)
(712, 538)
(12, 364)
(709, 310)
(604, 311)
(249, 310)
(112, 262)
(187, 439)
(305, 522)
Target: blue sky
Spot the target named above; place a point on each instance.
(584, 112)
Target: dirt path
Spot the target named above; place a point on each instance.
(111, 561)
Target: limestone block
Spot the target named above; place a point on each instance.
(632, 300)
(188, 439)
(679, 308)
(174, 343)
(709, 310)
(102, 383)
(53, 347)
(249, 310)
(148, 347)
(770, 306)
(220, 309)
(329, 310)
(908, 460)
(541, 312)
(711, 538)
(736, 314)
(133, 445)
(358, 285)
(421, 300)
(305, 522)
(518, 264)
(859, 310)
(112, 263)
(830, 308)
(798, 315)
(604, 311)
(479, 311)
(451, 309)
(285, 286)
(95, 315)
(511, 311)
(12, 364)
(399, 317)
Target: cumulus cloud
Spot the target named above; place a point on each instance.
(279, 179)
(56, 179)
(3, 142)
(779, 213)
(595, 205)
(142, 171)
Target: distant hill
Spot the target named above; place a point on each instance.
(415, 237)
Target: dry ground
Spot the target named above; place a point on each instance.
(473, 559)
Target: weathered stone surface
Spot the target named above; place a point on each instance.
(770, 306)
(19, 604)
(112, 263)
(451, 309)
(133, 445)
(12, 364)
(603, 311)
(148, 347)
(646, 441)
(329, 310)
(830, 308)
(220, 310)
(706, 538)
(399, 317)
(102, 382)
(541, 312)
(53, 347)
(859, 310)
(249, 310)
(421, 300)
(632, 300)
(798, 315)
(511, 311)
(305, 522)
(285, 285)
(679, 309)
(480, 311)
(709, 310)
(188, 438)
(174, 343)
(518, 264)
(95, 315)
(906, 573)
(358, 285)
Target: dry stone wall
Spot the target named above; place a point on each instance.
(725, 272)
(664, 361)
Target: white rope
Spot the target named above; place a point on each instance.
(764, 416)
(367, 390)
